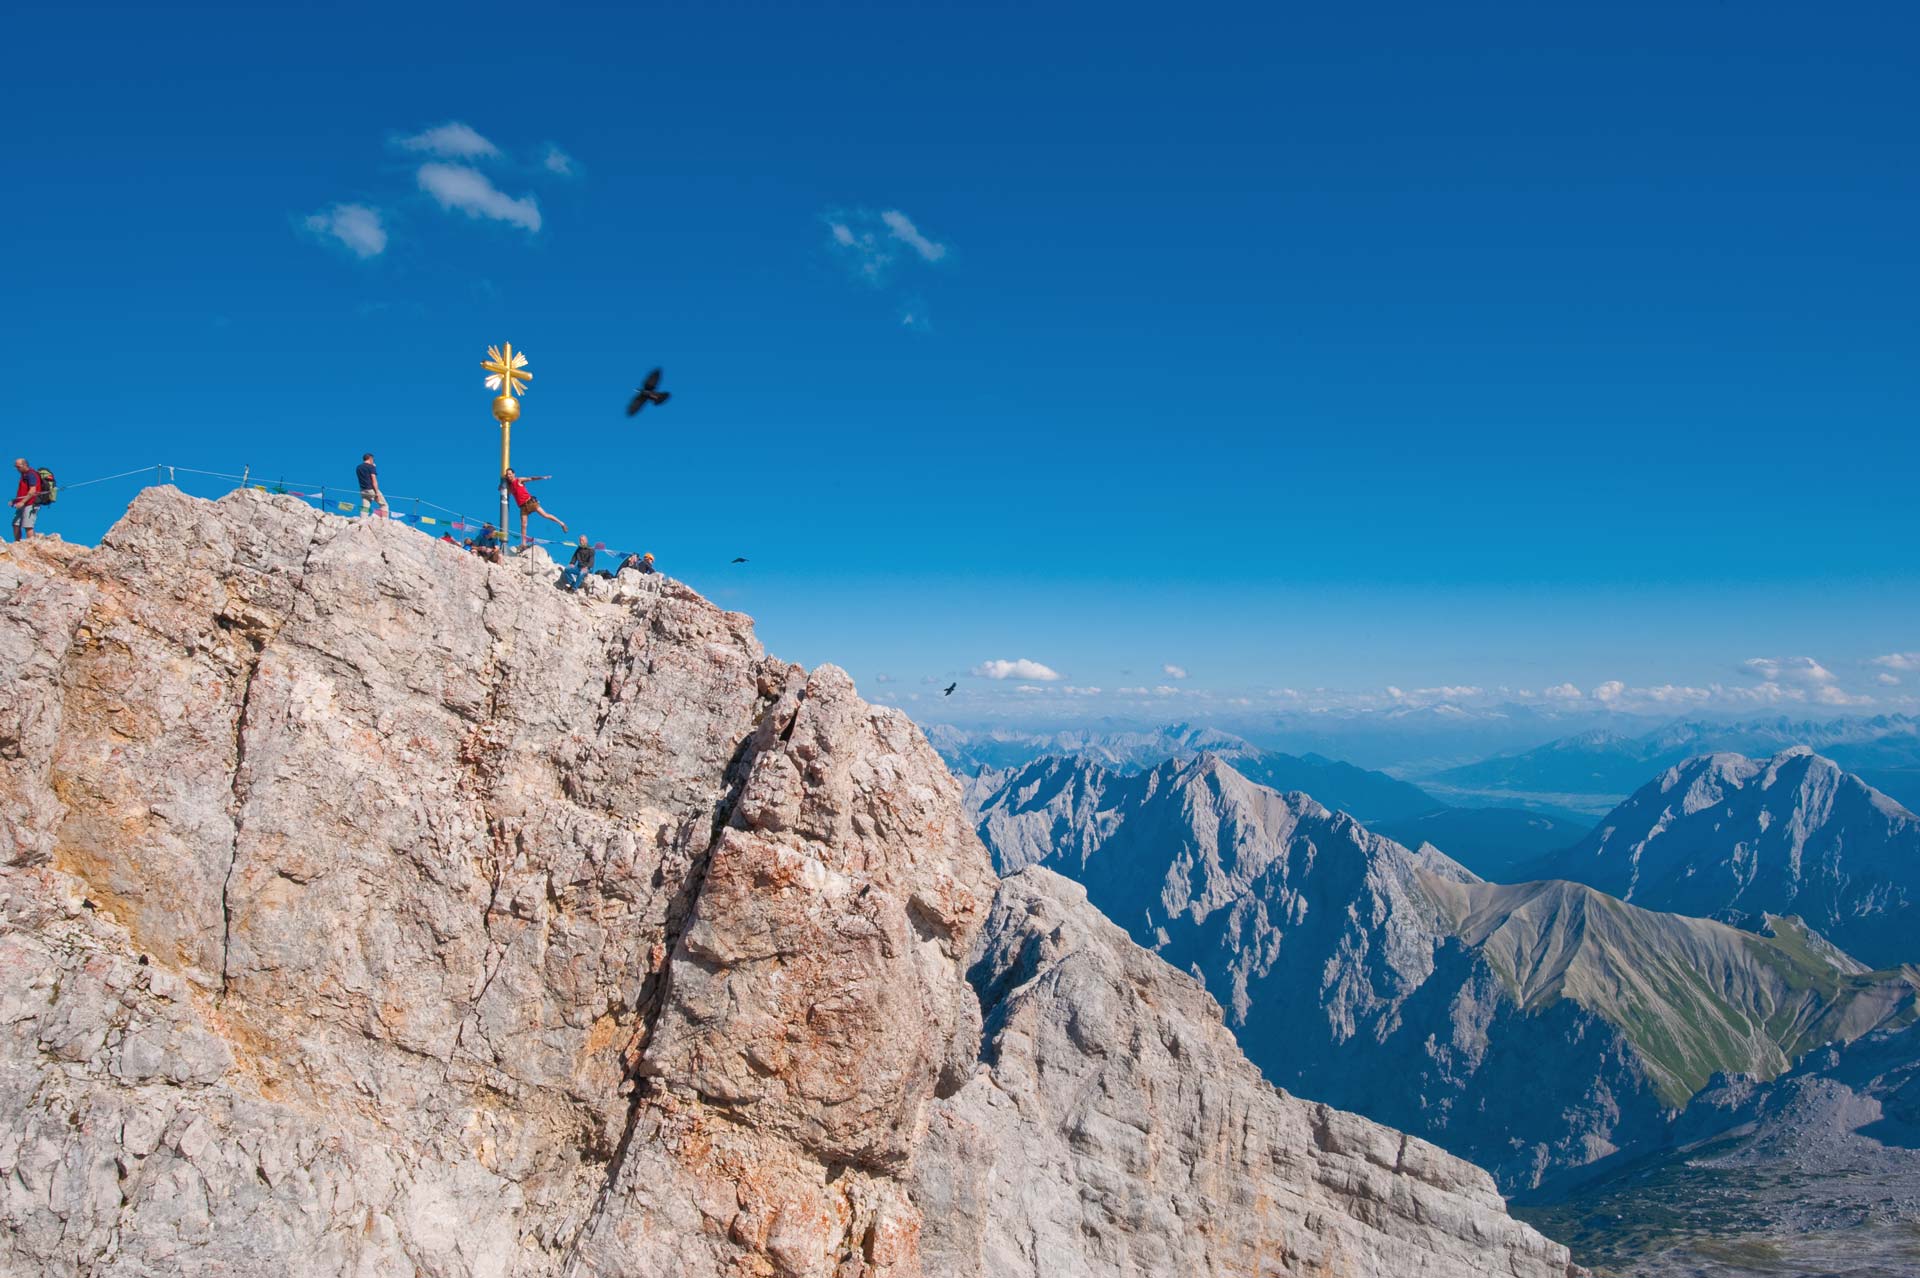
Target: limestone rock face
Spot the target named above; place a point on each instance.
(1116, 1128)
(368, 909)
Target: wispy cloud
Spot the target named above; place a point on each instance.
(356, 226)
(863, 250)
(1018, 669)
(1563, 692)
(1800, 670)
(452, 140)
(869, 243)
(1899, 661)
(901, 227)
(1173, 672)
(1887, 679)
(557, 161)
(456, 186)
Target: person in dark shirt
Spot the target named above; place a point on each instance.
(371, 498)
(579, 566)
(486, 543)
(639, 563)
(26, 500)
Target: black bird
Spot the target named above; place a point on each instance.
(739, 559)
(649, 393)
(949, 691)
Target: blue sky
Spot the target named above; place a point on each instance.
(1314, 354)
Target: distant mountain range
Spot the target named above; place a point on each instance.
(1738, 839)
(1364, 794)
(1495, 843)
(1532, 1028)
(1593, 770)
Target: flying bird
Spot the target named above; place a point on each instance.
(739, 559)
(949, 691)
(649, 393)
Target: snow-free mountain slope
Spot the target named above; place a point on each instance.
(1728, 837)
(1532, 1028)
(1365, 794)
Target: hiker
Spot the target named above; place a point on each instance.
(639, 563)
(27, 500)
(579, 566)
(370, 495)
(528, 503)
(486, 543)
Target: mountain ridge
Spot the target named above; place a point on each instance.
(1729, 837)
(1398, 982)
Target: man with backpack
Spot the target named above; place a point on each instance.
(35, 491)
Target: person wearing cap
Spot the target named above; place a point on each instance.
(639, 563)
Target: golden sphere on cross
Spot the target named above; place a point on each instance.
(506, 409)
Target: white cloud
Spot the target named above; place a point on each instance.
(1020, 669)
(453, 140)
(1609, 692)
(1173, 672)
(1080, 692)
(470, 191)
(354, 225)
(1563, 692)
(557, 161)
(1164, 691)
(868, 243)
(1027, 687)
(1886, 680)
(901, 227)
(883, 678)
(1802, 670)
(1899, 661)
(1671, 694)
(1833, 695)
(1449, 692)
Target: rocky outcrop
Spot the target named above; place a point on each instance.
(1117, 1129)
(1533, 1029)
(369, 909)
(1737, 839)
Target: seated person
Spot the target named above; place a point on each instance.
(579, 566)
(486, 544)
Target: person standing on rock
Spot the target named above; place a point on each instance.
(371, 498)
(26, 500)
(529, 504)
(579, 566)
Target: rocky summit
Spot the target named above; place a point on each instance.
(368, 909)
(1738, 839)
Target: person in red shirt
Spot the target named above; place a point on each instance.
(528, 503)
(26, 500)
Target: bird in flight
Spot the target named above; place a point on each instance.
(649, 393)
(739, 559)
(949, 691)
